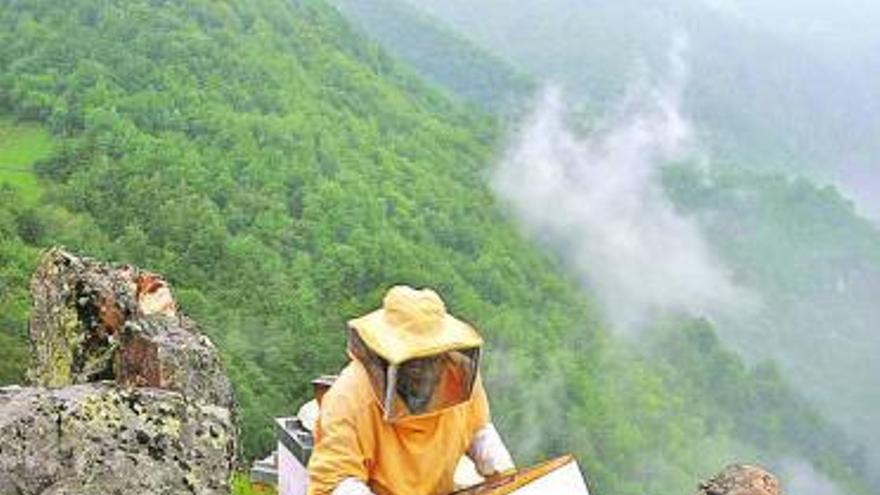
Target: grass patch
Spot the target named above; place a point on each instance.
(22, 145)
(241, 485)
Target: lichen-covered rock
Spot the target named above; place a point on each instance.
(130, 399)
(741, 479)
(96, 321)
(161, 352)
(103, 439)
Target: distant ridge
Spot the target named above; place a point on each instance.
(439, 54)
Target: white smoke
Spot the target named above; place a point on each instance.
(597, 200)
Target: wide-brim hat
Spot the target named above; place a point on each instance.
(413, 324)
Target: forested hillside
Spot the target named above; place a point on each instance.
(816, 265)
(439, 54)
(282, 172)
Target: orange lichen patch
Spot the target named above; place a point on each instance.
(137, 363)
(154, 296)
(109, 316)
(148, 283)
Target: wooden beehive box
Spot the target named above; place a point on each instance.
(556, 476)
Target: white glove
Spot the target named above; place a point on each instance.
(488, 452)
(352, 486)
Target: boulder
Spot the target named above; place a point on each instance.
(741, 479)
(96, 321)
(99, 438)
(129, 397)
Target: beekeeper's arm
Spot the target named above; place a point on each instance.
(488, 452)
(338, 465)
(486, 449)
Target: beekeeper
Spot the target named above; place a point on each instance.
(407, 407)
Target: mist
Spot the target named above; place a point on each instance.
(593, 195)
(784, 85)
(800, 478)
(596, 200)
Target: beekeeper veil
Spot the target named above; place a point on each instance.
(420, 359)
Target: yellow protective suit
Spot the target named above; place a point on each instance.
(412, 456)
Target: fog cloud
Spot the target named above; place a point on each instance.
(597, 200)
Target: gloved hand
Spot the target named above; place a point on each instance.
(352, 486)
(488, 452)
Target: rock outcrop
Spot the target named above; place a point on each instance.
(128, 397)
(94, 321)
(741, 479)
(101, 438)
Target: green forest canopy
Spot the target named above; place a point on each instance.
(438, 54)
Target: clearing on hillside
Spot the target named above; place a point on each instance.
(22, 145)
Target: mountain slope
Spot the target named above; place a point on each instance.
(438, 54)
(816, 266)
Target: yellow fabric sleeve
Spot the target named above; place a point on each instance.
(339, 446)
